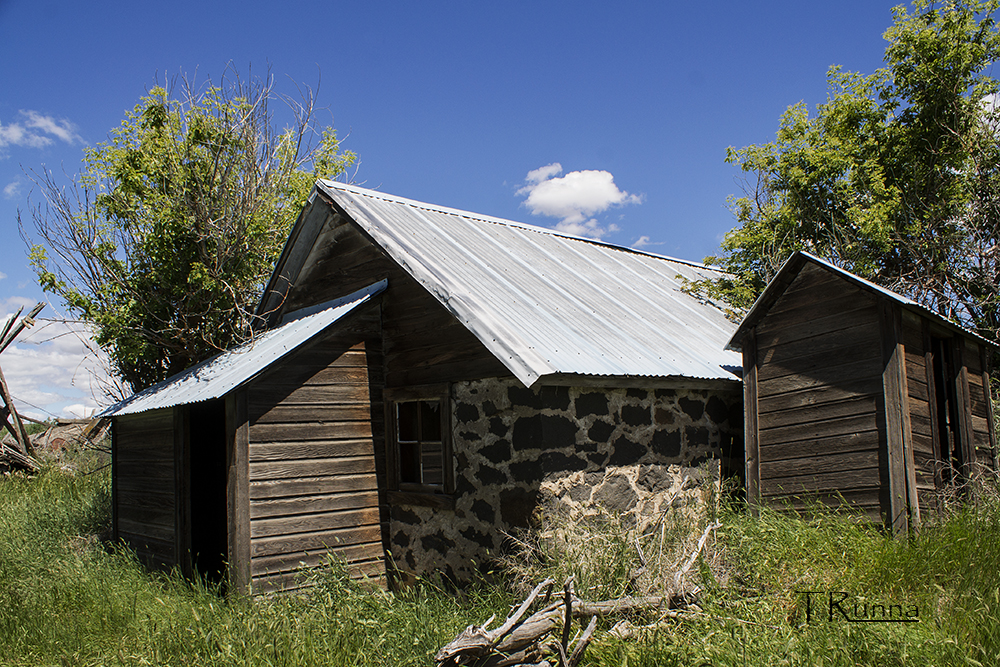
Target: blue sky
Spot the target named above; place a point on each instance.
(452, 103)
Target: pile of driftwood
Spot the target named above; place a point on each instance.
(527, 640)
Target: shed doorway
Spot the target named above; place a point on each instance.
(949, 432)
(207, 492)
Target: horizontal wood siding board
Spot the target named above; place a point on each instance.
(832, 481)
(820, 395)
(312, 523)
(331, 539)
(804, 304)
(820, 320)
(818, 465)
(155, 472)
(848, 500)
(153, 420)
(275, 393)
(147, 513)
(923, 445)
(279, 451)
(348, 465)
(849, 425)
(290, 488)
(146, 443)
(311, 504)
(144, 545)
(840, 372)
(289, 413)
(823, 342)
(459, 370)
(363, 553)
(861, 405)
(140, 495)
(297, 582)
(812, 278)
(917, 389)
(821, 361)
(852, 442)
(160, 532)
(336, 430)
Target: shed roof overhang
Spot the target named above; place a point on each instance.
(221, 374)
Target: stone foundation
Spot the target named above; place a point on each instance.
(637, 496)
(514, 447)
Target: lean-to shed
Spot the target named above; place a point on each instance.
(476, 358)
(854, 392)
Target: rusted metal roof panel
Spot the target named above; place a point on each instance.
(546, 303)
(216, 377)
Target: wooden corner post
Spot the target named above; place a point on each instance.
(904, 511)
(751, 437)
(238, 491)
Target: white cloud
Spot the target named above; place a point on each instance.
(574, 198)
(2, 275)
(544, 173)
(642, 242)
(35, 130)
(13, 189)
(52, 369)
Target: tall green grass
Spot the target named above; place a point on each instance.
(754, 608)
(68, 599)
(65, 599)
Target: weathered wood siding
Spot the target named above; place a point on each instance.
(984, 438)
(819, 381)
(145, 486)
(921, 398)
(423, 342)
(316, 456)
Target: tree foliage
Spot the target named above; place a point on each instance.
(165, 238)
(896, 177)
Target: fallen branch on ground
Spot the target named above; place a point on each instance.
(519, 641)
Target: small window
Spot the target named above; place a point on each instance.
(419, 452)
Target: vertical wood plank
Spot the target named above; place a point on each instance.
(932, 400)
(750, 420)
(115, 536)
(899, 353)
(963, 400)
(238, 491)
(984, 361)
(893, 388)
(182, 488)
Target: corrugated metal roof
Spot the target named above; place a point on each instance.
(546, 303)
(791, 268)
(216, 377)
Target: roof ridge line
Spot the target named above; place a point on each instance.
(471, 215)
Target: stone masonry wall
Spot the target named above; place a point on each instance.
(507, 440)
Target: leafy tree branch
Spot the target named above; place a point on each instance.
(166, 237)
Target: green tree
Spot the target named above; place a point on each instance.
(164, 240)
(896, 177)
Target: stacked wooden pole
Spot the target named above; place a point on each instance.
(9, 419)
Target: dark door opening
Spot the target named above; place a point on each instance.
(207, 438)
(949, 433)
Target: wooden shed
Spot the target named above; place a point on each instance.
(424, 370)
(854, 393)
(212, 466)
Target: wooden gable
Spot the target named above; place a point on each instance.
(423, 342)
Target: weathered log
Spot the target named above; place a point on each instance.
(519, 639)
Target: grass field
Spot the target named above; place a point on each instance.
(68, 599)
